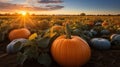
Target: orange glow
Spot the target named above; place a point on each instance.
(23, 21)
(23, 13)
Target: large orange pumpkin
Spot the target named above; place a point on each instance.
(70, 52)
(19, 33)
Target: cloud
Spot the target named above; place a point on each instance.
(8, 7)
(31, 2)
(5, 0)
(44, 8)
(52, 7)
(49, 1)
(30, 5)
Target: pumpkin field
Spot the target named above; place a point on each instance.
(59, 40)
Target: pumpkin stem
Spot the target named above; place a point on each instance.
(68, 32)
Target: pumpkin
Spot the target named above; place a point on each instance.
(112, 36)
(100, 43)
(105, 24)
(69, 50)
(19, 33)
(90, 23)
(11, 46)
(56, 28)
(98, 24)
(32, 36)
(116, 40)
(105, 32)
(76, 32)
(88, 33)
(93, 32)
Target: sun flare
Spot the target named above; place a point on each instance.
(23, 13)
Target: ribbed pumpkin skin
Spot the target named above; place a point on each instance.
(19, 33)
(70, 52)
(100, 43)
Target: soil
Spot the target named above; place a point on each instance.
(105, 58)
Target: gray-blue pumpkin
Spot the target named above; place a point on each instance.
(105, 32)
(98, 24)
(116, 40)
(88, 33)
(112, 36)
(76, 32)
(93, 32)
(17, 42)
(100, 43)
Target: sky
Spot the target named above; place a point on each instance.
(61, 6)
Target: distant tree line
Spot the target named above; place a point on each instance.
(8, 14)
(81, 14)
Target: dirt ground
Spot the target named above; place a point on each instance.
(105, 58)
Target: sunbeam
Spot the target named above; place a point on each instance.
(24, 20)
(24, 13)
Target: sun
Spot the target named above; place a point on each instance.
(23, 13)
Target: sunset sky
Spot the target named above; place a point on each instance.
(61, 6)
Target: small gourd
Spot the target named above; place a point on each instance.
(33, 36)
